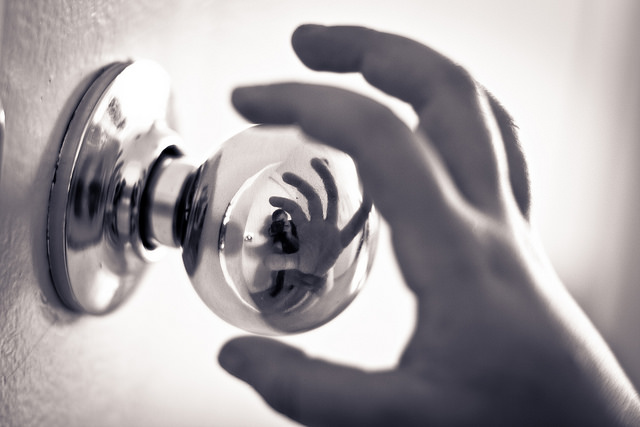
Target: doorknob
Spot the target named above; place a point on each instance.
(275, 232)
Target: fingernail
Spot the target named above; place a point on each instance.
(310, 28)
(241, 94)
(300, 34)
(247, 101)
(232, 359)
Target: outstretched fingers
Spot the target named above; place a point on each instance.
(451, 107)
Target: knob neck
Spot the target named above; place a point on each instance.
(165, 199)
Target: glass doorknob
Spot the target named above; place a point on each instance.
(275, 232)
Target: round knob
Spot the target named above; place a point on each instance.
(276, 233)
(282, 220)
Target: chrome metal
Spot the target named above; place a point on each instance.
(276, 234)
(96, 252)
(166, 190)
(231, 238)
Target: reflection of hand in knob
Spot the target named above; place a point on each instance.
(289, 290)
(320, 241)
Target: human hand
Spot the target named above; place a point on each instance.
(319, 238)
(498, 340)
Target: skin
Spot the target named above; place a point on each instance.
(498, 339)
(303, 272)
(320, 239)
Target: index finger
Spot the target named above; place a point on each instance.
(404, 176)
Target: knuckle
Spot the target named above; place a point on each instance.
(380, 123)
(457, 78)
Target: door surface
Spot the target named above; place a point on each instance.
(153, 362)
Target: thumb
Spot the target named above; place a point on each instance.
(283, 261)
(318, 393)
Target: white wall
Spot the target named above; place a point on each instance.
(566, 70)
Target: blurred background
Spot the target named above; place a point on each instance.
(567, 71)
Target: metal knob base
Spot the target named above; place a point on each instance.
(113, 140)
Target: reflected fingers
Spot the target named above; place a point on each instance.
(329, 182)
(292, 208)
(313, 200)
